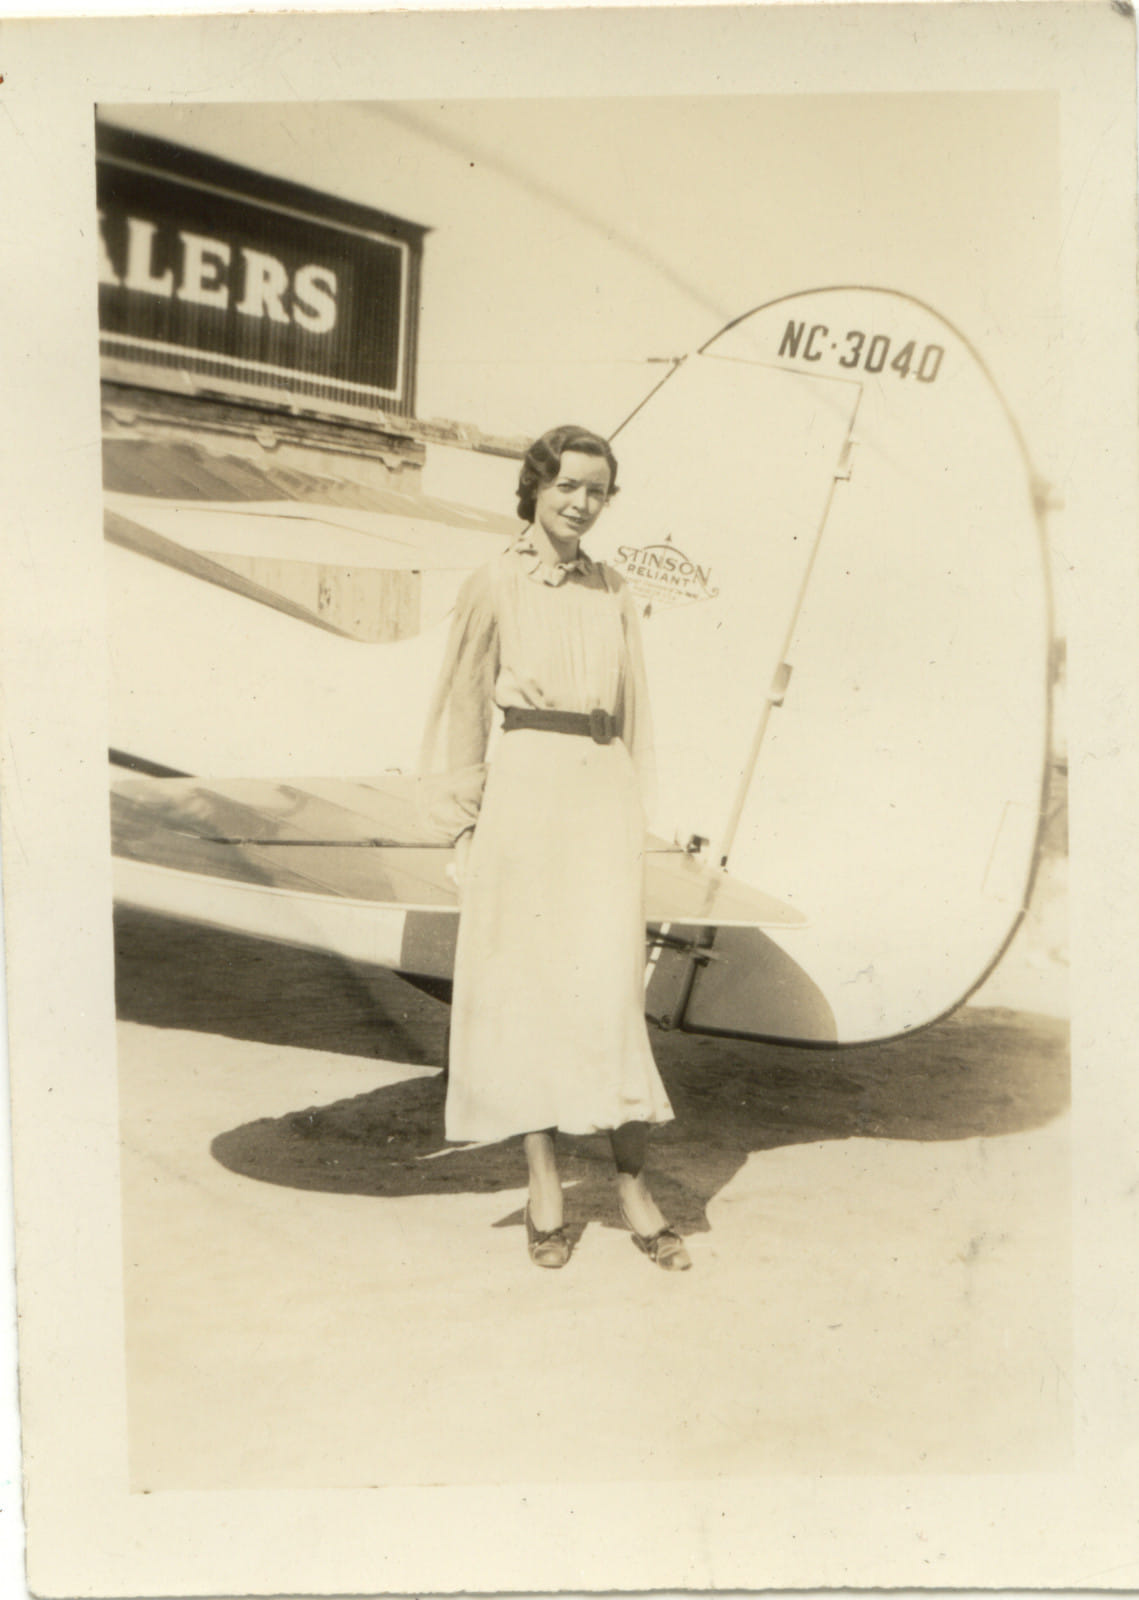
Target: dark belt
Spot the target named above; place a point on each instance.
(600, 726)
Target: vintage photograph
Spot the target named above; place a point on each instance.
(558, 568)
(569, 564)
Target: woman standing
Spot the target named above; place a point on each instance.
(548, 1029)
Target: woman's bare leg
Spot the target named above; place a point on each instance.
(546, 1211)
(630, 1146)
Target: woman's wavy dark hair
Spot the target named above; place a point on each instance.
(543, 462)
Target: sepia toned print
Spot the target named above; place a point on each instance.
(560, 613)
(831, 531)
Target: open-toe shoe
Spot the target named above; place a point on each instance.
(665, 1247)
(549, 1249)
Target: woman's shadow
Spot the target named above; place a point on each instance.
(979, 1073)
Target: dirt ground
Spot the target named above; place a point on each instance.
(320, 1292)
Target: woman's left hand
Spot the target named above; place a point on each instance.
(457, 867)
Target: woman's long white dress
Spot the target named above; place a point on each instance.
(548, 1027)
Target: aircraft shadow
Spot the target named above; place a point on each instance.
(172, 974)
(979, 1073)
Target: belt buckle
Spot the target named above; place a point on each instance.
(602, 727)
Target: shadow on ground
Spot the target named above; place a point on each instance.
(979, 1073)
(171, 974)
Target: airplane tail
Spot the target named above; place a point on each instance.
(830, 522)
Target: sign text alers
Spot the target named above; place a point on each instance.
(211, 272)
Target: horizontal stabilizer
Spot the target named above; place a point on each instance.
(360, 841)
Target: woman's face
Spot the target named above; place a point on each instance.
(568, 507)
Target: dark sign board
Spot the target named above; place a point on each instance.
(213, 270)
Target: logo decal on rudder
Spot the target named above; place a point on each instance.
(662, 575)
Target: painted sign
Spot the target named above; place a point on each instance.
(214, 270)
